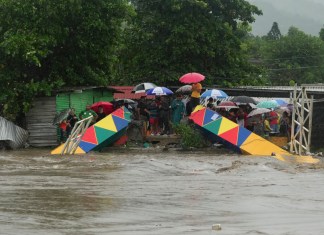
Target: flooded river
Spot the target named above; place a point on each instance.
(158, 193)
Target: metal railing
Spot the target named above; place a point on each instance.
(77, 132)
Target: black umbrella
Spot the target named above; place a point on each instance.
(244, 100)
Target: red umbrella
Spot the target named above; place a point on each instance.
(108, 108)
(227, 104)
(192, 78)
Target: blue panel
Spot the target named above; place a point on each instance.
(210, 116)
(216, 139)
(242, 135)
(120, 123)
(86, 146)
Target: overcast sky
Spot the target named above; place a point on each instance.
(307, 15)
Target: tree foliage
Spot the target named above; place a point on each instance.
(47, 44)
(274, 33)
(294, 57)
(169, 38)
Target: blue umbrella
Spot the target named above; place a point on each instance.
(281, 102)
(270, 104)
(159, 91)
(214, 93)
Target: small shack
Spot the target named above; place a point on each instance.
(39, 119)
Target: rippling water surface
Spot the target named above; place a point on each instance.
(165, 193)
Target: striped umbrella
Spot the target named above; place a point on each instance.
(214, 93)
(159, 91)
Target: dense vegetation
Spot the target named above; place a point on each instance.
(46, 45)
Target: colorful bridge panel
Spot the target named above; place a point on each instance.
(102, 133)
(234, 134)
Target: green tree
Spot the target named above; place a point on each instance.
(274, 33)
(321, 34)
(296, 56)
(47, 44)
(172, 37)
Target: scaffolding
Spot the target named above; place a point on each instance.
(77, 132)
(301, 125)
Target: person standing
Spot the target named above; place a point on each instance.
(87, 113)
(164, 110)
(154, 119)
(178, 110)
(143, 114)
(274, 121)
(210, 103)
(71, 120)
(101, 114)
(195, 94)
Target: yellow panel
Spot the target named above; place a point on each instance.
(255, 145)
(198, 107)
(107, 123)
(226, 125)
(58, 150)
(298, 159)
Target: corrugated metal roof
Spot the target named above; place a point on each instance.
(82, 88)
(15, 135)
(127, 93)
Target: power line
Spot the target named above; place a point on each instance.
(305, 67)
(294, 57)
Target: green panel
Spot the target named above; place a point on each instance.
(103, 134)
(214, 126)
(103, 96)
(62, 102)
(80, 100)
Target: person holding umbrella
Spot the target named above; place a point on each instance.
(195, 95)
(194, 79)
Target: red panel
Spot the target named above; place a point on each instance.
(198, 117)
(90, 136)
(231, 135)
(119, 113)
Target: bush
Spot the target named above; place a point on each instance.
(190, 136)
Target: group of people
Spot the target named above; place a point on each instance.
(159, 113)
(66, 126)
(261, 124)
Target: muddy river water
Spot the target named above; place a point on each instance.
(158, 193)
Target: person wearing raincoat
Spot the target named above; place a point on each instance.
(178, 110)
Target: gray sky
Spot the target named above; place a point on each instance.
(307, 15)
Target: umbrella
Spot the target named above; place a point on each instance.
(214, 93)
(159, 91)
(108, 107)
(227, 104)
(143, 87)
(281, 110)
(186, 89)
(244, 100)
(269, 104)
(192, 78)
(61, 116)
(258, 111)
(281, 102)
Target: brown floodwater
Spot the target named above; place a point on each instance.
(158, 193)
